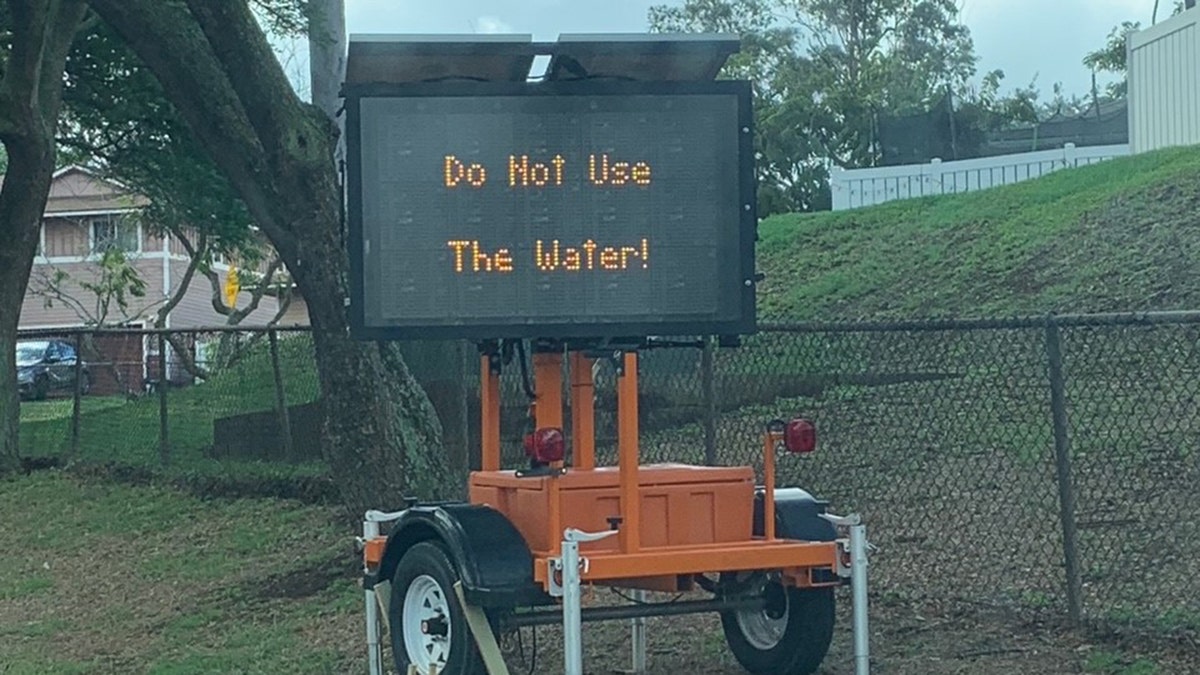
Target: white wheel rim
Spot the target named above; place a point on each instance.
(425, 617)
(762, 630)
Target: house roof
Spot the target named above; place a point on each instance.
(77, 189)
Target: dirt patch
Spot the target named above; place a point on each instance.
(318, 490)
(304, 581)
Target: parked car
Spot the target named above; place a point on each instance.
(45, 366)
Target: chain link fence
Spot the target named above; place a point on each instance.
(219, 399)
(1047, 465)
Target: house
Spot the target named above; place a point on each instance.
(87, 215)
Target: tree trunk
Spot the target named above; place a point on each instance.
(437, 366)
(382, 438)
(22, 201)
(441, 368)
(30, 97)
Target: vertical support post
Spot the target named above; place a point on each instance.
(547, 376)
(1062, 461)
(771, 439)
(374, 653)
(627, 453)
(77, 403)
(281, 410)
(583, 413)
(637, 638)
(164, 441)
(709, 394)
(572, 609)
(489, 427)
(858, 573)
(548, 412)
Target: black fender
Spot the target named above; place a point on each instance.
(492, 558)
(797, 515)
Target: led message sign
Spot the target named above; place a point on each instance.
(480, 211)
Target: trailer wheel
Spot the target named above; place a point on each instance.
(789, 636)
(428, 625)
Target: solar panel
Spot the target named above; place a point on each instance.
(645, 57)
(399, 58)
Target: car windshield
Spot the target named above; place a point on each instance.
(29, 353)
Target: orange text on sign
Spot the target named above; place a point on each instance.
(455, 172)
(552, 256)
(524, 173)
(603, 171)
(471, 254)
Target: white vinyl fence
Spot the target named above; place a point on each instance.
(853, 188)
(1164, 83)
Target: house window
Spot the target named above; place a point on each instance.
(114, 232)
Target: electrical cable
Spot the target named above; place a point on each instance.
(526, 383)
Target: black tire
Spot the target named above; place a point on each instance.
(41, 388)
(85, 384)
(421, 564)
(805, 637)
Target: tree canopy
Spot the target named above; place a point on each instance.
(215, 65)
(823, 70)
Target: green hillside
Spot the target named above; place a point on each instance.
(1120, 235)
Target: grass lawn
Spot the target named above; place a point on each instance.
(1118, 235)
(126, 432)
(106, 578)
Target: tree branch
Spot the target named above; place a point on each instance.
(256, 295)
(49, 288)
(285, 303)
(186, 358)
(237, 43)
(195, 258)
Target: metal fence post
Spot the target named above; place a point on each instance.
(77, 403)
(164, 442)
(1062, 461)
(709, 394)
(285, 424)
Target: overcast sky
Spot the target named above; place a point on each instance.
(1025, 38)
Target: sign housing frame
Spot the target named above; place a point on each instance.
(745, 322)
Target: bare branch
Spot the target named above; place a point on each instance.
(186, 358)
(49, 287)
(196, 257)
(285, 303)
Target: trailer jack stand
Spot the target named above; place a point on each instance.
(857, 573)
(568, 566)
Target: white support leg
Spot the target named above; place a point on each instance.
(858, 572)
(638, 638)
(374, 653)
(572, 610)
(569, 565)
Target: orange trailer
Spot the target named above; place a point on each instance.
(768, 557)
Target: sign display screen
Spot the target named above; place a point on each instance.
(532, 211)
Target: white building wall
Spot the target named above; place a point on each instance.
(1164, 83)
